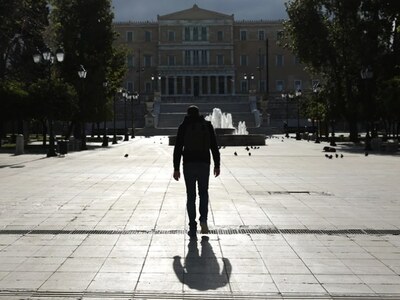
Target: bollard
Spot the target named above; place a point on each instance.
(19, 146)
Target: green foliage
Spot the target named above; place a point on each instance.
(52, 98)
(338, 39)
(13, 97)
(84, 28)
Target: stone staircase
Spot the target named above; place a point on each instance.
(171, 114)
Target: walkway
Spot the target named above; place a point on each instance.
(287, 223)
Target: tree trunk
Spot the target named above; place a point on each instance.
(353, 131)
(44, 132)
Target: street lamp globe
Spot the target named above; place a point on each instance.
(60, 55)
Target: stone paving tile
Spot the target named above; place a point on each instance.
(285, 185)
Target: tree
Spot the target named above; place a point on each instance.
(21, 26)
(84, 28)
(52, 98)
(337, 39)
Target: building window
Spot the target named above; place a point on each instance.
(196, 57)
(187, 57)
(147, 36)
(171, 60)
(195, 33)
(243, 60)
(147, 60)
(204, 57)
(179, 85)
(148, 87)
(129, 36)
(279, 86)
(243, 35)
(187, 33)
(261, 60)
(220, 59)
(243, 86)
(220, 36)
(130, 61)
(171, 36)
(279, 60)
(204, 33)
(315, 83)
(261, 35)
(262, 86)
(129, 86)
(297, 85)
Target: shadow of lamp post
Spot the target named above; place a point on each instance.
(82, 73)
(48, 58)
(367, 75)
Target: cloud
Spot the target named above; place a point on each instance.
(147, 10)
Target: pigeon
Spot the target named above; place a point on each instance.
(235, 153)
(366, 153)
(326, 155)
(341, 155)
(247, 148)
(337, 155)
(249, 153)
(126, 155)
(330, 156)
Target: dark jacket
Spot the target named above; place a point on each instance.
(189, 156)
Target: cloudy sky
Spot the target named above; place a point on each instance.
(147, 10)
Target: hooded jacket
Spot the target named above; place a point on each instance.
(189, 156)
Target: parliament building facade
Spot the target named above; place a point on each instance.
(202, 53)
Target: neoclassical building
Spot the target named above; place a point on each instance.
(202, 53)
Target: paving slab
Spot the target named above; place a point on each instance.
(286, 222)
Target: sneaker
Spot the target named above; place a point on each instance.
(204, 228)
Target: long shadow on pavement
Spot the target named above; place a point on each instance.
(202, 272)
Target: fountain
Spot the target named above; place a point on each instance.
(227, 134)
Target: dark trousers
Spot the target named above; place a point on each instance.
(200, 173)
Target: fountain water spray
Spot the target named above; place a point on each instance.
(221, 120)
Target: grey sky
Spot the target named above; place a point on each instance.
(147, 10)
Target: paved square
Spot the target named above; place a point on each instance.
(286, 222)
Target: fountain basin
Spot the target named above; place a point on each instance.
(221, 131)
(233, 139)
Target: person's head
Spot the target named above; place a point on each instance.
(193, 111)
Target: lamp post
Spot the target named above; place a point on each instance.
(133, 96)
(105, 137)
(248, 78)
(298, 95)
(82, 75)
(286, 96)
(114, 141)
(366, 75)
(48, 58)
(125, 98)
(316, 90)
(155, 79)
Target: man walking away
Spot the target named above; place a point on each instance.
(195, 139)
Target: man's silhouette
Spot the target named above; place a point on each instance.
(206, 267)
(195, 139)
